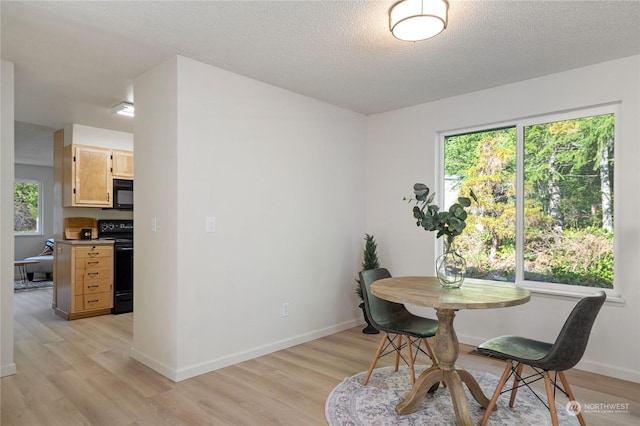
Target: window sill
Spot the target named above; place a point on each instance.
(612, 299)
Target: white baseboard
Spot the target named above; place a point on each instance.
(609, 370)
(215, 364)
(8, 370)
(153, 364)
(584, 364)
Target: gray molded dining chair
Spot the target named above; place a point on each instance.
(544, 357)
(396, 322)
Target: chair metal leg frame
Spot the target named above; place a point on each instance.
(519, 381)
(388, 341)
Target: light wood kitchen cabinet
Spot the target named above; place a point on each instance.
(122, 164)
(87, 178)
(83, 278)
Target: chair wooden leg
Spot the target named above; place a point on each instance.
(412, 373)
(569, 392)
(550, 398)
(516, 380)
(399, 336)
(496, 393)
(427, 346)
(374, 361)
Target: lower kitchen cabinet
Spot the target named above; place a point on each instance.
(83, 278)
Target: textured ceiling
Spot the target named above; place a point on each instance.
(75, 60)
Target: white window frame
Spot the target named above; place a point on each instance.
(40, 230)
(614, 294)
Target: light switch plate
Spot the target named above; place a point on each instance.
(211, 224)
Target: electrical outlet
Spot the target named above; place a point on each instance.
(285, 309)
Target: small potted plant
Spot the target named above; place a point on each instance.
(369, 261)
(450, 266)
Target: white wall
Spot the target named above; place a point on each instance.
(7, 366)
(284, 177)
(401, 147)
(155, 311)
(94, 136)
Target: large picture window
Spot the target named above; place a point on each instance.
(27, 209)
(545, 213)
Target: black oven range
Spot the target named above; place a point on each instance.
(121, 231)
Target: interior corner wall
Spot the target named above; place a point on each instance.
(7, 365)
(283, 177)
(155, 321)
(393, 168)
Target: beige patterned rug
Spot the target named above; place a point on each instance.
(31, 285)
(350, 403)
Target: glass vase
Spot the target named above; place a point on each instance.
(451, 268)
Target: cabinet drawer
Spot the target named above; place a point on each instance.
(85, 275)
(93, 252)
(93, 301)
(94, 286)
(94, 262)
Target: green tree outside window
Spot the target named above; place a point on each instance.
(26, 202)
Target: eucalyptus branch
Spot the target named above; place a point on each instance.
(449, 223)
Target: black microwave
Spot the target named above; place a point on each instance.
(123, 194)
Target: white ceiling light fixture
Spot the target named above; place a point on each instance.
(123, 108)
(415, 20)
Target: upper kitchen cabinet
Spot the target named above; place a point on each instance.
(122, 164)
(87, 178)
(91, 159)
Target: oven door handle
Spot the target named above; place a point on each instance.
(124, 248)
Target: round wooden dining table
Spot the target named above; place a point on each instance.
(427, 291)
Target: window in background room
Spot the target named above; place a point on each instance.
(27, 208)
(545, 199)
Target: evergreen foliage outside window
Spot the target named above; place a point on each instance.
(27, 208)
(545, 199)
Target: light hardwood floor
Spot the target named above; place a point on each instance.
(79, 373)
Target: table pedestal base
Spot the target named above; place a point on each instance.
(446, 351)
(454, 380)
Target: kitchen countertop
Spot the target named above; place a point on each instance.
(86, 242)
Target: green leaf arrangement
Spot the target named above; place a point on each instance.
(449, 223)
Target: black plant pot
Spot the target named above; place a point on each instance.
(369, 329)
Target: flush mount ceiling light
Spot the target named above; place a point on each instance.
(414, 20)
(123, 108)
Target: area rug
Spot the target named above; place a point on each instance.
(350, 403)
(31, 285)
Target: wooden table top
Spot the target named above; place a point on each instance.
(427, 291)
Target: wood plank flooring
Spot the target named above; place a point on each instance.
(80, 373)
